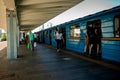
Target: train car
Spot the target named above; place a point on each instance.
(108, 27)
(45, 36)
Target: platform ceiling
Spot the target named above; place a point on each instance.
(33, 13)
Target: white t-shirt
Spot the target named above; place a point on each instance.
(59, 36)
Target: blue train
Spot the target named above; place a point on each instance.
(107, 23)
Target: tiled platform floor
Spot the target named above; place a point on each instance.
(46, 64)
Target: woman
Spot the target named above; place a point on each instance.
(59, 38)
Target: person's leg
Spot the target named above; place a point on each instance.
(99, 49)
(86, 49)
(32, 45)
(90, 49)
(59, 43)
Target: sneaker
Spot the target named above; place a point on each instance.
(58, 50)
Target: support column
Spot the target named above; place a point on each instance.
(11, 36)
(18, 37)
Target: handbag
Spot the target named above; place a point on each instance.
(28, 45)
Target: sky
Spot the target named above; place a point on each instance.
(2, 31)
(82, 9)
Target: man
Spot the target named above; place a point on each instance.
(31, 38)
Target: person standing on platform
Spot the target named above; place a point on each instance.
(59, 38)
(98, 37)
(27, 41)
(90, 39)
(31, 39)
(35, 40)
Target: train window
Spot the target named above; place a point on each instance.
(117, 26)
(75, 31)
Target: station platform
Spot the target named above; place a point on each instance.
(45, 63)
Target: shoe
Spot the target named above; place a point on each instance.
(58, 50)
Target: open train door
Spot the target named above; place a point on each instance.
(42, 37)
(96, 29)
(64, 36)
(50, 37)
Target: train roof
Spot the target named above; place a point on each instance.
(117, 8)
(114, 9)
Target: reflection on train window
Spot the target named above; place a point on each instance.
(117, 26)
(75, 31)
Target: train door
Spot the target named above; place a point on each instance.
(95, 31)
(64, 36)
(39, 39)
(50, 36)
(42, 37)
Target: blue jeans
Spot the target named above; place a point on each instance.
(59, 45)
